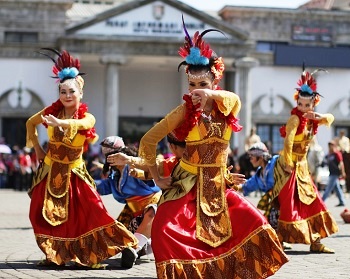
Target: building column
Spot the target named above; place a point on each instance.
(243, 89)
(111, 107)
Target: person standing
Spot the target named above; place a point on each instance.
(304, 217)
(69, 219)
(344, 145)
(315, 157)
(334, 160)
(201, 225)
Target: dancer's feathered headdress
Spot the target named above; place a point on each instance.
(308, 86)
(65, 66)
(197, 52)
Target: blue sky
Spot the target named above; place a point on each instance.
(218, 4)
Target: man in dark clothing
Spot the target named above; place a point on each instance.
(334, 160)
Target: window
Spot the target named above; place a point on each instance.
(131, 129)
(270, 135)
(268, 46)
(337, 130)
(21, 37)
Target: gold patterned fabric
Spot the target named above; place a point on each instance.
(136, 206)
(244, 261)
(198, 222)
(308, 230)
(93, 247)
(209, 156)
(62, 158)
(294, 154)
(69, 219)
(265, 203)
(303, 216)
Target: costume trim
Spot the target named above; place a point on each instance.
(308, 230)
(138, 203)
(55, 208)
(213, 225)
(104, 242)
(254, 257)
(303, 122)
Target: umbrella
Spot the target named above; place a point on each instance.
(5, 149)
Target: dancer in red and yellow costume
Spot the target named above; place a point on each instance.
(69, 219)
(304, 217)
(204, 229)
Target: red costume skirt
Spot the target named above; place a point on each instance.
(253, 251)
(299, 222)
(90, 234)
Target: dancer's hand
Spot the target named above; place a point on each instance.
(51, 120)
(118, 159)
(312, 115)
(200, 96)
(163, 182)
(238, 178)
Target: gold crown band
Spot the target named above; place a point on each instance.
(202, 76)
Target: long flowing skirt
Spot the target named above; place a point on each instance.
(299, 222)
(90, 234)
(253, 251)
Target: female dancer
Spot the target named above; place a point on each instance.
(202, 228)
(304, 217)
(69, 219)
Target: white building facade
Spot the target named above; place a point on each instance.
(129, 54)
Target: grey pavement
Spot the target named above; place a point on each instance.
(19, 252)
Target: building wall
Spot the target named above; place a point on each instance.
(153, 89)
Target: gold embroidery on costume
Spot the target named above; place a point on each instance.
(308, 230)
(70, 132)
(213, 224)
(137, 205)
(294, 154)
(241, 262)
(62, 157)
(59, 250)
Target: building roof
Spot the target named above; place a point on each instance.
(326, 5)
(127, 5)
(83, 11)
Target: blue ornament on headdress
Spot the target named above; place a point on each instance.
(305, 88)
(195, 57)
(68, 73)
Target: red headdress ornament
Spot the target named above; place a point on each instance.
(197, 52)
(65, 66)
(308, 86)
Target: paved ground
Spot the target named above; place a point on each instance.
(19, 252)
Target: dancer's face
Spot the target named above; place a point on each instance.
(305, 105)
(70, 94)
(201, 80)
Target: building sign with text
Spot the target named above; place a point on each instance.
(312, 33)
(156, 19)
